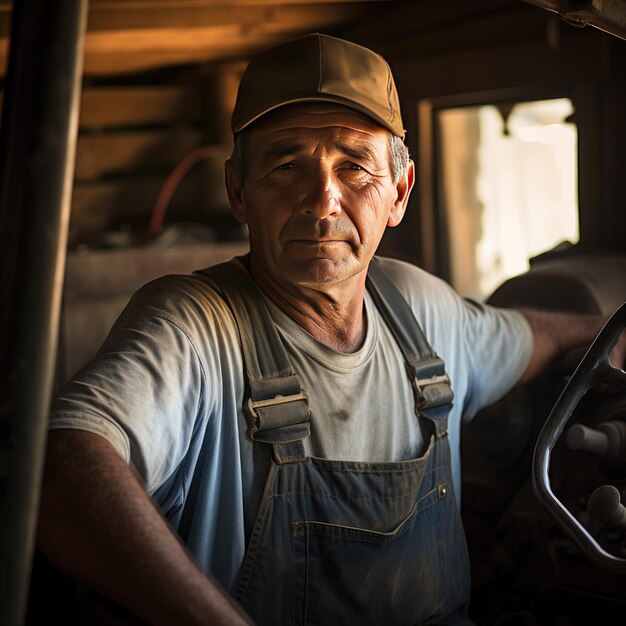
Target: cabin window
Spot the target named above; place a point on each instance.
(508, 188)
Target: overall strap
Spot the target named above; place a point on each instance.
(277, 407)
(431, 385)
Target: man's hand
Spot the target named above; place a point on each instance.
(562, 339)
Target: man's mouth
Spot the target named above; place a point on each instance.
(318, 233)
(318, 241)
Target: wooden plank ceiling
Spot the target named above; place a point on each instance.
(134, 36)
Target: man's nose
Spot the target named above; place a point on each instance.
(321, 198)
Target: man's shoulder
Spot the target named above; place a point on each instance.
(396, 267)
(176, 289)
(180, 298)
(411, 280)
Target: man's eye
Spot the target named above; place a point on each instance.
(286, 166)
(354, 166)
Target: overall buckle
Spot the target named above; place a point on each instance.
(280, 419)
(253, 405)
(432, 392)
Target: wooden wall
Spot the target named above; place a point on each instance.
(133, 134)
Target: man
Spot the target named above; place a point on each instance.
(278, 429)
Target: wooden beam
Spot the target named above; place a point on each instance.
(137, 35)
(105, 155)
(156, 5)
(107, 17)
(132, 41)
(138, 106)
(130, 36)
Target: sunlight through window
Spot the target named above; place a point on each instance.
(509, 188)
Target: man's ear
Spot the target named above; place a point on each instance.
(403, 189)
(234, 191)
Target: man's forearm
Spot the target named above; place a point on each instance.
(556, 335)
(98, 526)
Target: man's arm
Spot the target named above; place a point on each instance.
(561, 339)
(99, 526)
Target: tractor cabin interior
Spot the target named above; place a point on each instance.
(515, 117)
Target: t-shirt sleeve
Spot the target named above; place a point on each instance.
(498, 345)
(486, 349)
(142, 393)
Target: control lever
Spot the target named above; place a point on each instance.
(606, 441)
(604, 505)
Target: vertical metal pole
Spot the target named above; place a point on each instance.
(37, 150)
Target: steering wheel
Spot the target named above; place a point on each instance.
(595, 368)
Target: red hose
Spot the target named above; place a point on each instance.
(173, 180)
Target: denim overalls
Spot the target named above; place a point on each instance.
(342, 542)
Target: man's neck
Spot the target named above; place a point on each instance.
(334, 315)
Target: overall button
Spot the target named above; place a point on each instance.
(298, 530)
(442, 490)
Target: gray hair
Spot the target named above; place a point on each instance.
(398, 154)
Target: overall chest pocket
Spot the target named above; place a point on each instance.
(351, 575)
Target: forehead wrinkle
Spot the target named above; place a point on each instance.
(358, 151)
(299, 138)
(281, 149)
(355, 148)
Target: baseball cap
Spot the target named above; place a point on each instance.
(318, 68)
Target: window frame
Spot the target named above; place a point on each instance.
(432, 220)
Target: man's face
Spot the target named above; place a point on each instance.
(318, 194)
